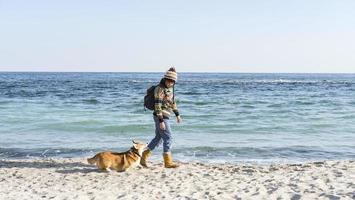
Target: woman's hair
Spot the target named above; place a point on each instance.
(162, 82)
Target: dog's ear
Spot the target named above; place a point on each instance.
(135, 144)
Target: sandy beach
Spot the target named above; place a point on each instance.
(75, 179)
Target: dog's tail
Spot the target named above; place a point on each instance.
(92, 160)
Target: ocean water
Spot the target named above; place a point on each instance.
(226, 117)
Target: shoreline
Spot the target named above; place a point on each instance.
(73, 178)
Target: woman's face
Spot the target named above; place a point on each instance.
(169, 83)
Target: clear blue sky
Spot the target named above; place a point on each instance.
(224, 36)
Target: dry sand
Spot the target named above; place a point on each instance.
(75, 179)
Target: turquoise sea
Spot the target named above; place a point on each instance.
(227, 117)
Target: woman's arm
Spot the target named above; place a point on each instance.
(158, 101)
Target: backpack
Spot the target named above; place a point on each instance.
(149, 98)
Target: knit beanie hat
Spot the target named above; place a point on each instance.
(171, 74)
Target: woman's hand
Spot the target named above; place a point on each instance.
(162, 125)
(178, 119)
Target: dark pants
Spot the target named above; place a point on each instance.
(161, 135)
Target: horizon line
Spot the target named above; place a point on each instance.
(207, 72)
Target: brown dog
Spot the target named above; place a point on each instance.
(119, 161)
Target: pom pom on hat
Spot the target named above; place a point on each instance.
(172, 69)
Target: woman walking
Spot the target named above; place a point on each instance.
(164, 103)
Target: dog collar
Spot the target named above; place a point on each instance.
(135, 151)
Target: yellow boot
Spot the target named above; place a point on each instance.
(168, 161)
(146, 154)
